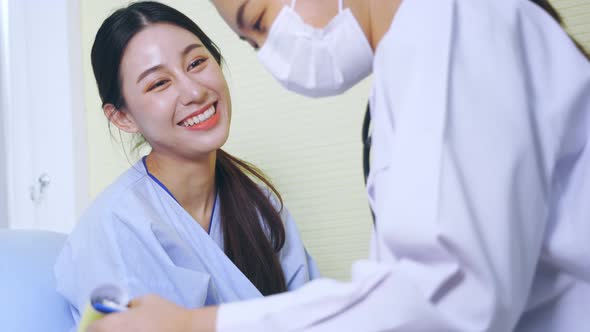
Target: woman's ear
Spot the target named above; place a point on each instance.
(121, 119)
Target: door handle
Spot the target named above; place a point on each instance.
(39, 189)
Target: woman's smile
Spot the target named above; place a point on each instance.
(203, 119)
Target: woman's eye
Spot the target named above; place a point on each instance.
(257, 26)
(157, 84)
(196, 63)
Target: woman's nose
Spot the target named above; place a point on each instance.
(191, 91)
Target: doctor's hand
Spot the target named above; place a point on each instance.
(154, 314)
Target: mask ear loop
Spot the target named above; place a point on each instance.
(340, 6)
(293, 3)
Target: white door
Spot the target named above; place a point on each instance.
(43, 143)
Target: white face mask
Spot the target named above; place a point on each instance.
(317, 62)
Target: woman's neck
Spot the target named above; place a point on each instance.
(192, 182)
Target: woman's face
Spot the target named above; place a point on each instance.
(252, 19)
(175, 93)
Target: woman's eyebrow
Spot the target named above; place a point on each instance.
(149, 71)
(190, 48)
(240, 15)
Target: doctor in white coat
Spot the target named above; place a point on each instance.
(480, 177)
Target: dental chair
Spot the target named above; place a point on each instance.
(29, 301)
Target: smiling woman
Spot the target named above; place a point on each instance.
(189, 221)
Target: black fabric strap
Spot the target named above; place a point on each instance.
(366, 139)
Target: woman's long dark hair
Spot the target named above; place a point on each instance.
(251, 245)
(555, 14)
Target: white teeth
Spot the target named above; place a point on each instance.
(199, 118)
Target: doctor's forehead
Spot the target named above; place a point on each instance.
(234, 11)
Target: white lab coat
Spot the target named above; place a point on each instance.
(480, 183)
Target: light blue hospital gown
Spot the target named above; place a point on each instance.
(135, 235)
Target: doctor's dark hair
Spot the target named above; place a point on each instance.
(251, 245)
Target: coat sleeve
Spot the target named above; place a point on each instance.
(478, 106)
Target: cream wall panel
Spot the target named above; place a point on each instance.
(310, 148)
(576, 14)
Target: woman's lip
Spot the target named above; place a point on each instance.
(202, 110)
(207, 124)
